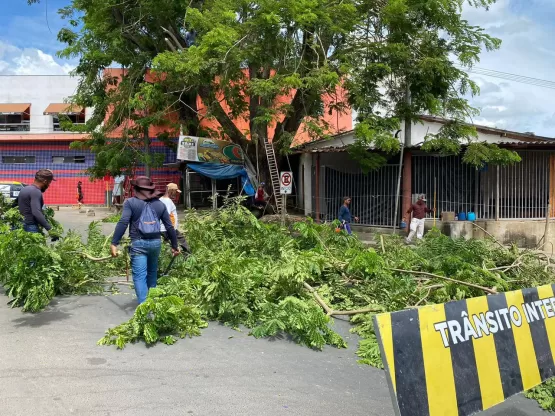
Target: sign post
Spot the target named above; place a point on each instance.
(285, 188)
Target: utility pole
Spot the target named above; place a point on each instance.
(408, 121)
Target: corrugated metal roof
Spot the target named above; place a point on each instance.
(343, 148)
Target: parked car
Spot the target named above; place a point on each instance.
(10, 189)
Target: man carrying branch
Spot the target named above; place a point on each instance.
(31, 203)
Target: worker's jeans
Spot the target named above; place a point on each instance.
(31, 228)
(144, 265)
(347, 228)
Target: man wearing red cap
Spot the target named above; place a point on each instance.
(31, 202)
(142, 214)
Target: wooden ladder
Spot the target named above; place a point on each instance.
(274, 174)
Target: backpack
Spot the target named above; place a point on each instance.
(149, 223)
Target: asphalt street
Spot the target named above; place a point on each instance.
(50, 365)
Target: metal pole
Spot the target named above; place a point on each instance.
(397, 196)
(283, 208)
(435, 198)
(214, 195)
(497, 196)
(188, 188)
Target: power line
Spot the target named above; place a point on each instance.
(510, 77)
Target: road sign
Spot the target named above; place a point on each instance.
(463, 357)
(286, 183)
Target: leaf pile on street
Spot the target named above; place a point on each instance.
(33, 271)
(274, 280)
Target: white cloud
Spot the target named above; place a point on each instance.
(29, 61)
(526, 50)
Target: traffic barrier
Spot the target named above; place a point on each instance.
(462, 357)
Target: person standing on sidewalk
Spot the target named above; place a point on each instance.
(345, 216)
(31, 202)
(80, 196)
(142, 214)
(418, 211)
(117, 193)
(172, 190)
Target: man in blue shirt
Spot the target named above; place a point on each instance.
(345, 216)
(144, 250)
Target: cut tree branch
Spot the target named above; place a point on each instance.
(330, 311)
(436, 276)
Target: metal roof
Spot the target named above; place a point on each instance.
(63, 108)
(14, 108)
(520, 145)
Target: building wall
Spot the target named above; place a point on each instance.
(64, 190)
(40, 91)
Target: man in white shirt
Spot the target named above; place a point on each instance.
(172, 191)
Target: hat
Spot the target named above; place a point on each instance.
(145, 188)
(173, 187)
(143, 182)
(45, 174)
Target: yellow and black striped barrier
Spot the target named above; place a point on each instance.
(463, 357)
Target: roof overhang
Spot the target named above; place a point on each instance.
(63, 108)
(14, 108)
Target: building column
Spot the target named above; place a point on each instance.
(407, 182)
(306, 163)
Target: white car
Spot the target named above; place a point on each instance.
(10, 190)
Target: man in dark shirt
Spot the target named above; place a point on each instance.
(144, 250)
(31, 203)
(418, 211)
(345, 216)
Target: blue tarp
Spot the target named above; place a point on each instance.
(221, 171)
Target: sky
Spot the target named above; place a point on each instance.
(28, 45)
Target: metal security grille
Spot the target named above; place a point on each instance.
(373, 194)
(455, 182)
(520, 191)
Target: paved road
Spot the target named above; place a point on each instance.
(50, 365)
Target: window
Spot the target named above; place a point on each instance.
(74, 118)
(58, 160)
(18, 159)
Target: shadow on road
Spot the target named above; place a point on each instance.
(43, 318)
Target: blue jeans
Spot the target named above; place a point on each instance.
(31, 228)
(144, 265)
(347, 228)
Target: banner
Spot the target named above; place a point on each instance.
(200, 149)
(463, 357)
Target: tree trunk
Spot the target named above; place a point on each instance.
(147, 151)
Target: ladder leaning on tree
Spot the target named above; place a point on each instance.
(274, 173)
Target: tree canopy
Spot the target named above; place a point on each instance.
(249, 69)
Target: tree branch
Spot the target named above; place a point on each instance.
(330, 311)
(436, 276)
(223, 118)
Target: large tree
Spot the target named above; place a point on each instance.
(266, 64)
